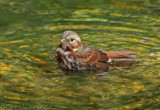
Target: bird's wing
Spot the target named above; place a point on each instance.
(103, 58)
(92, 56)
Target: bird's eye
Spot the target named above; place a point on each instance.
(72, 39)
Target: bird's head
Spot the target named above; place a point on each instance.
(71, 40)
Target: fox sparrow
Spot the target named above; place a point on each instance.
(72, 54)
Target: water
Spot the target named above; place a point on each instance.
(30, 31)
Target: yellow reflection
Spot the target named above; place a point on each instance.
(11, 42)
(70, 27)
(24, 46)
(137, 86)
(96, 27)
(4, 68)
(35, 59)
(126, 5)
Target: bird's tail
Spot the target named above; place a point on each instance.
(120, 58)
(120, 54)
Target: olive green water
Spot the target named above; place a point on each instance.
(30, 78)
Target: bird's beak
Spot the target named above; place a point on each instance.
(63, 42)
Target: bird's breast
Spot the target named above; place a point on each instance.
(71, 61)
(67, 59)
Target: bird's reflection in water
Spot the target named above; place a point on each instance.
(100, 72)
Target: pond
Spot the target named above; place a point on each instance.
(30, 31)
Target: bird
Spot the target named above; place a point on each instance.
(72, 54)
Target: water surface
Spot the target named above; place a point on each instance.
(29, 75)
